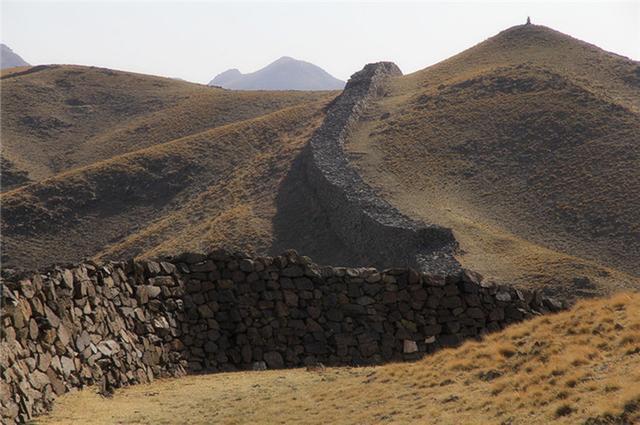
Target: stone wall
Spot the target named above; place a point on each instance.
(124, 323)
(65, 328)
(368, 224)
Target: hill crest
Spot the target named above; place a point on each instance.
(528, 142)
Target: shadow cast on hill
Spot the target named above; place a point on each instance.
(301, 223)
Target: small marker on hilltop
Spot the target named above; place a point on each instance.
(528, 20)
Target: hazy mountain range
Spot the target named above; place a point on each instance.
(9, 58)
(284, 74)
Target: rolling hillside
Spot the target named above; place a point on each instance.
(124, 164)
(9, 58)
(56, 118)
(527, 146)
(577, 367)
(518, 158)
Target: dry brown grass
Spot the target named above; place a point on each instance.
(62, 117)
(564, 369)
(217, 187)
(527, 147)
(125, 164)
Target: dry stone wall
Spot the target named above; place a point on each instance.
(128, 322)
(365, 222)
(109, 325)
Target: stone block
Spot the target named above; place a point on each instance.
(409, 346)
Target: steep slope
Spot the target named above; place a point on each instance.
(284, 74)
(9, 58)
(577, 367)
(56, 118)
(101, 162)
(527, 146)
(217, 187)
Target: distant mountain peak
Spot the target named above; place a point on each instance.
(285, 73)
(10, 59)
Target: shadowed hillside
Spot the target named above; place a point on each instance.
(124, 164)
(527, 146)
(213, 188)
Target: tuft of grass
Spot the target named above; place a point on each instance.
(564, 409)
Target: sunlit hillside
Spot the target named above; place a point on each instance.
(527, 145)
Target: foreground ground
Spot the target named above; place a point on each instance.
(581, 366)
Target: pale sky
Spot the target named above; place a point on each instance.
(197, 40)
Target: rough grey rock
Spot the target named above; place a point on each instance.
(10, 59)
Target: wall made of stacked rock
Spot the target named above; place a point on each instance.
(124, 323)
(109, 325)
(244, 313)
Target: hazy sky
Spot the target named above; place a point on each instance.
(197, 40)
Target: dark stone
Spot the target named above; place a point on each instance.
(246, 265)
(475, 313)
(274, 360)
(451, 290)
(292, 271)
(451, 302)
(431, 330)
(335, 315)
(303, 284)
(191, 258)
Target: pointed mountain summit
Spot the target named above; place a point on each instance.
(284, 74)
(10, 59)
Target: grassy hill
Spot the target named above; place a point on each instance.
(577, 367)
(527, 146)
(147, 166)
(57, 118)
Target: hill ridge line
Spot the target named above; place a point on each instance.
(113, 324)
(116, 159)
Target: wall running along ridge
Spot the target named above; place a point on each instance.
(123, 323)
(366, 223)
